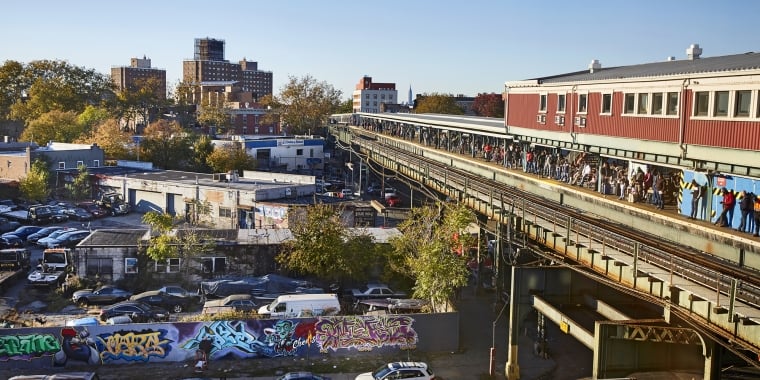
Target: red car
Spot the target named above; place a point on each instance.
(393, 201)
(94, 209)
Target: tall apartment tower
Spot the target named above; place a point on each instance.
(369, 96)
(138, 74)
(209, 71)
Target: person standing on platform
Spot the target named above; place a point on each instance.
(745, 206)
(757, 217)
(656, 187)
(728, 204)
(697, 192)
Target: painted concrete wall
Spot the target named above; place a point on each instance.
(242, 339)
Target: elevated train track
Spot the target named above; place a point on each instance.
(569, 234)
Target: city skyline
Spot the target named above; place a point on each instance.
(432, 46)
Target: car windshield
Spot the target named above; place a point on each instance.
(380, 372)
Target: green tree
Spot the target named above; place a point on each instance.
(162, 244)
(303, 105)
(110, 137)
(167, 242)
(79, 188)
(202, 149)
(35, 185)
(437, 103)
(230, 157)
(215, 115)
(347, 106)
(166, 145)
(322, 246)
(58, 86)
(140, 102)
(92, 116)
(488, 105)
(427, 250)
(12, 86)
(55, 126)
(181, 95)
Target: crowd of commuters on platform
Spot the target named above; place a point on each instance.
(643, 184)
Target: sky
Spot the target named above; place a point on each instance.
(432, 46)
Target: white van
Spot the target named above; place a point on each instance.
(301, 306)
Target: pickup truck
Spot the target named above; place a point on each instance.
(375, 291)
(51, 272)
(13, 263)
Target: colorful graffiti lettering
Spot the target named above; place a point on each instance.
(134, 346)
(226, 335)
(26, 347)
(365, 334)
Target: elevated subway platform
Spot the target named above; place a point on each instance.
(730, 245)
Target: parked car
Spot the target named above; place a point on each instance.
(59, 216)
(105, 294)
(77, 213)
(10, 241)
(400, 370)
(33, 238)
(302, 376)
(43, 242)
(137, 312)
(393, 201)
(163, 300)
(375, 290)
(179, 291)
(23, 231)
(235, 302)
(93, 208)
(69, 239)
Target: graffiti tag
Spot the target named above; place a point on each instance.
(131, 346)
(366, 333)
(226, 335)
(26, 347)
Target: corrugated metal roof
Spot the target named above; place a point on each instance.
(113, 238)
(727, 63)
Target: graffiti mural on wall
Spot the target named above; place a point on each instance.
(366, 333)
(134, 346)
(27, 346)
(177, 342)
(283, 338)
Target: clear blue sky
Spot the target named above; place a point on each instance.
(431, 45)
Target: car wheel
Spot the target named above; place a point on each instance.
(177, 308)
(84, 302)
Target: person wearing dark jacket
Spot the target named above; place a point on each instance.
(746, 208)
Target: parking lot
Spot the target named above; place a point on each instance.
(19, 302)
